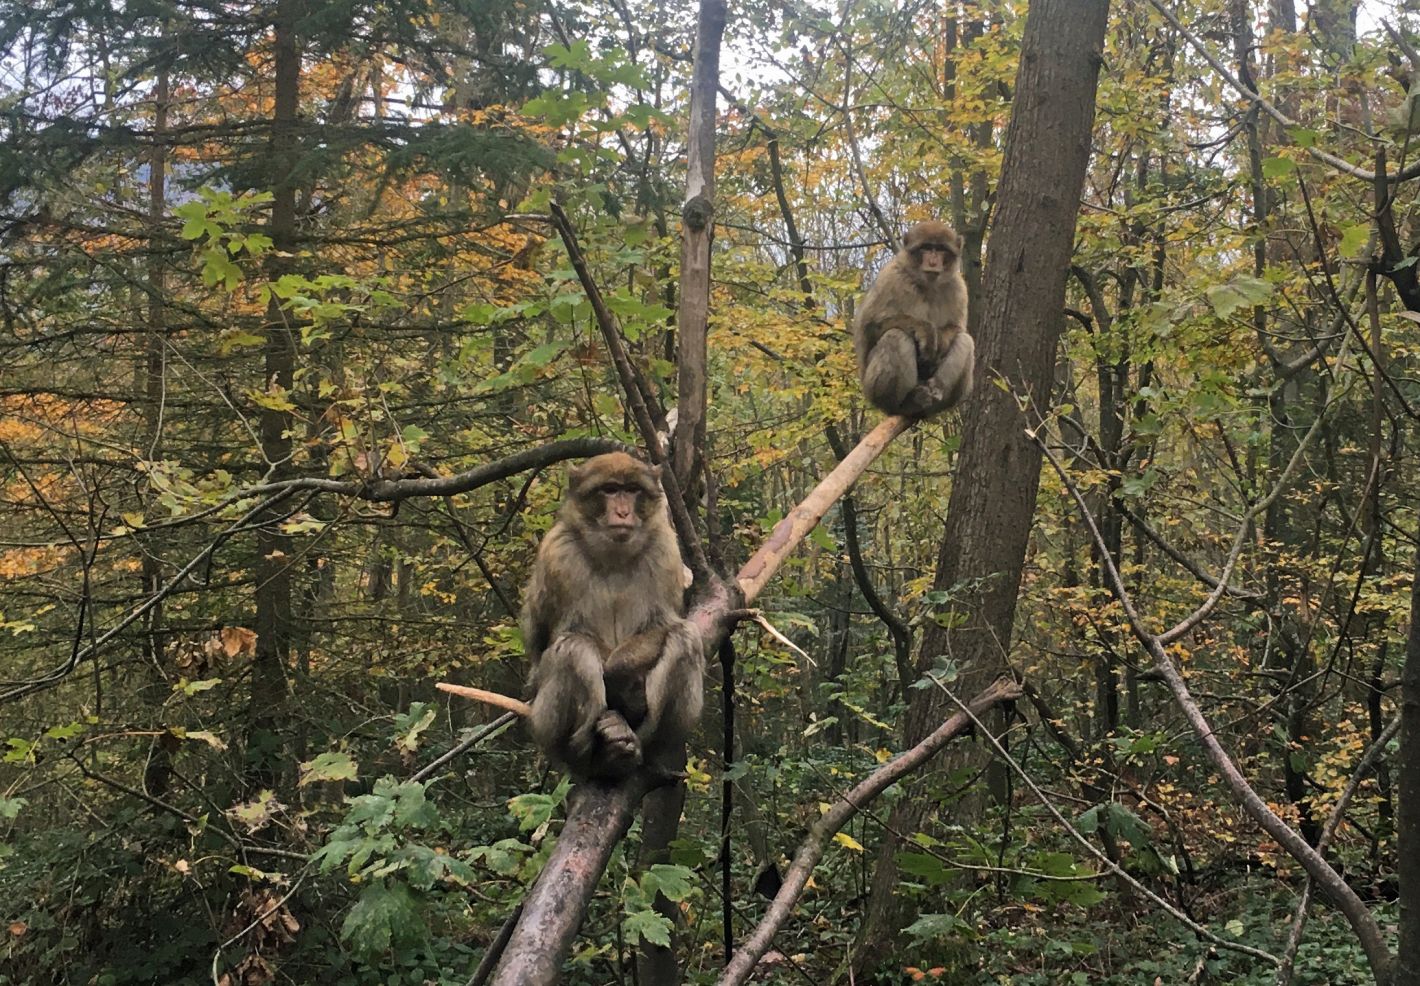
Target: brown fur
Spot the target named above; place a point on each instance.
(616, 667)
(914, 354)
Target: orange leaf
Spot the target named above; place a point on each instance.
(238, 640)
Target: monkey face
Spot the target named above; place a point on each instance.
(614, 496)
(931, 259)
(621, 510)
(933, 247)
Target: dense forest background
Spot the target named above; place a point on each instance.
(293, 353)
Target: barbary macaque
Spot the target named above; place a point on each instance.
(616, 668)
(914, 354)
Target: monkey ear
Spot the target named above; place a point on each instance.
(957, 241)
(574, 473)
(654, 472)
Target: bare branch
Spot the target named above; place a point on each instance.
(1340, 164)
(388, 490)
(830, 822)
(1363, 923)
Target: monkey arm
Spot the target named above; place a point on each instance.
(637, 653)
(675, 691)
(537, 618)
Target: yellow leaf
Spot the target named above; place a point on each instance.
(848, 842)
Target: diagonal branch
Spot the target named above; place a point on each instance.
(833, 820)
(1340, 164)
(634, 393)
(1363, 923)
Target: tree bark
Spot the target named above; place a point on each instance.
(698, 218)
(1407, 964)
(657, 966)
(993, 495)
(273, 562)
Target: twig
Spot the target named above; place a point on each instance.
(478, 736)
(385, 490)
(1104, 860)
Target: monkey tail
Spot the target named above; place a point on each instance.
(488, 698)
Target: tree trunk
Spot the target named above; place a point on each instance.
(1407, 965)
(697, 217)
(657, 966)
(273, 562)
(1023, 293)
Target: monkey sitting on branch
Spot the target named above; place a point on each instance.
(616, 668)
(915, 357)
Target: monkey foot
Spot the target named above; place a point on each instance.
(619, 752)
(921, 401)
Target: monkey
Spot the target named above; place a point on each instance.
(914, 354)
(616, 667)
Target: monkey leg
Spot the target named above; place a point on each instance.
(891, 371)
(675, 693)
(570, 699)
(949, 384)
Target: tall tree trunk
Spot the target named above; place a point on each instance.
(1023, 294)
(273, 563)
(1407, 815)
(157, 772)
(697, 217)
(657, 966)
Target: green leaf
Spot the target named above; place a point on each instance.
(674, 882)
(410, 724)
(329, 767)
(383, 917)
(1353, 238)
(505, 857)
(923, 866)
(1278, 167)
(647, 925)
(1228, 298)
(930, 927)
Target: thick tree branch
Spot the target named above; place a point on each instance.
(805, 517)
